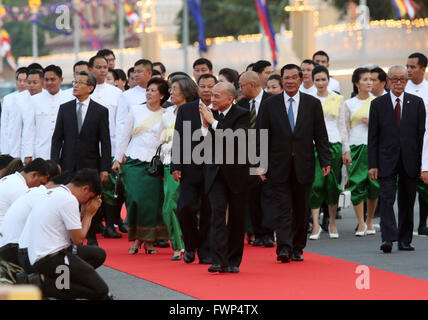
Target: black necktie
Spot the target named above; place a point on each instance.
(220, 117)
(253, 115)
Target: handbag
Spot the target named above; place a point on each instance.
(345, 195)
(156, 168)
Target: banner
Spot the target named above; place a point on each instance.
(195, 11)
(263, 11)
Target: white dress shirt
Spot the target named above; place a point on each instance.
(85, 106)
(420, 90)
(11, 188)
(42, 120)
(394, 102)
(168, 120)
(16, 123)
(142, 147)
(108, 96)
(7, 114)
(312, 90)
(128, 98)
(295, 104)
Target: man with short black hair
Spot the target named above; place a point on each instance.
(308, 85)
(78, 67)
(202, 66)
(378, 77)
(8, 112)
(55, 222)
(109, 56)
(42, 115)
(160, 67)
(264, 69)
(322, 58)
(131, 78)
(418, 85)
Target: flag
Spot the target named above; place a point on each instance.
(263, 11)
(404, 7)
(5, 47)
(195, 11)
(135, 23)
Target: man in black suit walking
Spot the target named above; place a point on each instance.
(395, 140)
(259, 200)
(226, 176)
(81, 127)
(192, 198)
(294, 121)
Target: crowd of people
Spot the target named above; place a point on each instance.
(70, 159)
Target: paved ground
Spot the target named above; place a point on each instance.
(363, 251)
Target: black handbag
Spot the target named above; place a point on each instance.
(156, 168)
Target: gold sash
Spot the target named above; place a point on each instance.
(362, 112)
(332, 105)
(148, 123)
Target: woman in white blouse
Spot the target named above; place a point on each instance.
(353, 126)
(183, 90)
(327, 188)
(138, 144)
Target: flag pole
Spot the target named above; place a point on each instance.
(76, 40)
(185, 35)
(121, 33)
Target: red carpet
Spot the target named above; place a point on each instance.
(262, 278)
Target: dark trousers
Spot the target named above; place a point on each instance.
(292, 206)
(85, 283)
(96, 220)
(406, 202)
(423, 212)
(111, 214)
(24, 261)
(9, 252)
(227, 239)
(259, 203)
(191, 201)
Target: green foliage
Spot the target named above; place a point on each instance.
(8, 272)
(232, 18)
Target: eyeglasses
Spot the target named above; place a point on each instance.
(79, 83)
(241, 85)
(396, 80)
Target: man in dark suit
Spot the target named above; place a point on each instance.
(259, 200)
(395, 140)
(226, 176)
(294, 121)
(192, 198)
(81, 127)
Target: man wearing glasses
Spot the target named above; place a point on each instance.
(395, 138)
(81, 128)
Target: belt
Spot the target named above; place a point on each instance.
(48, 257)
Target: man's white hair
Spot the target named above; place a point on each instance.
(390, 71)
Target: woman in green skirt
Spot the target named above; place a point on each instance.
(138, 144)
(327, 188)
(183, 90)
(353, 126)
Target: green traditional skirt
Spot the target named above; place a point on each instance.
(422, 189)
(327, 188)
(108, 190)
(144, 197)
(171, 190)
(359, 183)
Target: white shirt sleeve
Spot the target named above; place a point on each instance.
(70, 215)
(5, 114)
(28, 129)
(121, 117)
(125, 137)
(344, 126)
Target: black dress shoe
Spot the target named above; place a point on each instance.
(283, 256)
(111, 233)
(189, 256)
(269, 243)
(205, 261)
(386, 246)
(217, 268)
(123, 228)
(423, 231)
(297, 256)
(405, 246)
(232, 269)
(100, 228)
(258, 243)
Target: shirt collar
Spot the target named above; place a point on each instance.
(394, 98)
(210, 106)
(85, 103)
(21, 177)
(296, 97)
(225, 112)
